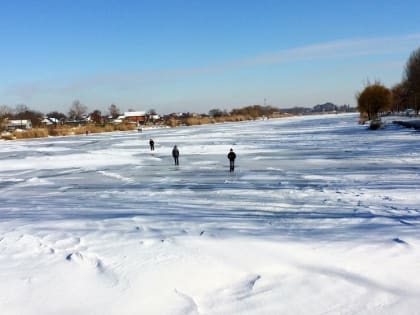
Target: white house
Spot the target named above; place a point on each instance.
(48, 121)
(18, 124)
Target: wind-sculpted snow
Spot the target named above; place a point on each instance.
(321, 216)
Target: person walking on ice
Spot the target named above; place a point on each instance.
(231, 156)
(152, 145)
(175, 154)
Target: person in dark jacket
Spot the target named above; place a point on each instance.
(175, 154)
(152, 145)
(231, 156)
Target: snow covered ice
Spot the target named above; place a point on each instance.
(321, 216)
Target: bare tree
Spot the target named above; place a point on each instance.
(114, 111)
(215, 112)
(77, 110)
(152, 111)
(399, 97)
(21, 108)
(96, 116)
(5, 111)
(23, 112)
(412, 77)
(57, 115)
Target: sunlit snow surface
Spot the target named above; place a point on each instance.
(321, 216)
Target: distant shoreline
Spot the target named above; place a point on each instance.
(65, 130)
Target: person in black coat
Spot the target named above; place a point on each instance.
(175, 154)
(152, 145)
(231, 156)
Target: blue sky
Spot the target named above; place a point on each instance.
(194, 56)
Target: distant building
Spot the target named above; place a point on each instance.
(24, 124)
(48, 121)
(154, 118)
(138, 117)
(327, 107)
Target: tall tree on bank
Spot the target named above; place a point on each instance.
(96, 116)
(77, 110)
(399, 97)
(152, 111)
(5, 111)
(57, 115)
(412, 77)
(375, 98)
(23, 112)
(114, 111)
(21, 108)
(215, 112)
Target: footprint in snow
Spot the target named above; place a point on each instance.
(242, 289)
(85, 260)
(399, 241)
(187, 304)
(405, 222)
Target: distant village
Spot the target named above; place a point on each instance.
(15, 122)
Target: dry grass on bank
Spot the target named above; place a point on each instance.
(193, 121)
(207, 120)
(33, 133)
(64, 131)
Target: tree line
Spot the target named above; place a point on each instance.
(253, 111)
(77, 112)
(377, 98)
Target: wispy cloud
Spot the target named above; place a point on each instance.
(340, 49)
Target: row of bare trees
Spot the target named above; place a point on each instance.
(376, 98)
(22, 112)
(76, 112)
(250, 111)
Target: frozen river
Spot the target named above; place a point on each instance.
(321, 216)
